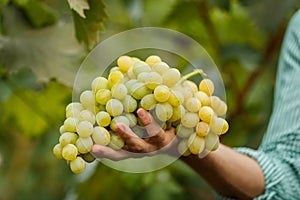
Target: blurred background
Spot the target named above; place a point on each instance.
(42, 44)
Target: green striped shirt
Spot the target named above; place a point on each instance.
(279, 153)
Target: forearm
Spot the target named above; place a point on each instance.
(230, 173)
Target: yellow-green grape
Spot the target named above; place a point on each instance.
(142, 76)
(148, 102)
(153, 79)
(131, 118)
(193, 104)
(67, 138)
(171, 77)
(203, 98)
(115, 77)
(86, 115)
(70, 124)
(115, 68)
(183, 131)
(129, 84)
(207, 86)
(124, 63)
(119, 91)
(183, 148)
(57, 151)
(73, 113)
(191, 85)
(88, 157)
(114, 107)
(118, 119)
(139, 67)
(62, 129)
(99, 83)
(139, 90)
(73, 109)
(102, 96)
(202, 128)
(77, 165)
(218, 105)
(85, 129)
(160, 67)
(176, 98)
(196, 144)
(187, 93)
(219, 125)
(69, 152)
(206, 114)
(116, 142)
(129, 104)
(84, 145)
(130, 73)
(163, 111)
(101, 136)
(103, 118)
(135, 59)
(153, 59)
(212, 141)
(190, 119)
(87, 99)
(161, 93)
(178, 113)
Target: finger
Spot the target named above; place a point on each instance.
(106, 152)
(124, 131)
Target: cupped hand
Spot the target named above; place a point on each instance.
(158, 140)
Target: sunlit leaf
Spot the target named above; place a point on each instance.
(79, 6)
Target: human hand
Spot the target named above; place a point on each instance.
(158, 140)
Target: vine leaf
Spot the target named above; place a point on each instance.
(79, 6)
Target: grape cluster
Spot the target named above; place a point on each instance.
(172, 99)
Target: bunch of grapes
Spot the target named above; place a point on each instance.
(153, 85)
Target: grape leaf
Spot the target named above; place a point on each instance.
(87, 30)
(79, 6)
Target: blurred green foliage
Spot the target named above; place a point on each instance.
(39, 58)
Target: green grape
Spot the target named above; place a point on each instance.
(102, 96)
(86, 115)
(196, 144)
(160, 67)
(203, 98)
(85, 129)
(152, 60)
(171, 77)
(101, 136)
(99, 83)
(77, 165)
(178, 113)
(84, 145)
(88, 157)
(183, 148)
(118, 119)
(176, 98)
(202, 129)
(193, 104)
(70, 124)
(142, 77)
(148, 102)
(206, 114)
(219, 125)
(163, 111)
(103, 118)
(57, 151)
(207, 86)
(183, 131)
(129, 104)
(67, 138)
(115, 77)
(114, 107)
(161, 93)
(131, 118)
(116, 142)
(119, 91)
(190, 120)
(74, 106)
(211, 142)
(153, 79)
(130, 73)
(139, 90)
(62, 129)
(87, 99)
(191, 85)
(69, 152)
(115, 68)
(73, 113)
(218, 105)
(125, 63)
(129, 84)
(187, 94)
(139, 67)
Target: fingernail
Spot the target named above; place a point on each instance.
(142, 113)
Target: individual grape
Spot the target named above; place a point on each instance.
(102, 96)
(87, 99)
(57, 151)
(74, 106)
(84, 145)
(115, 77)
(183, 148)
(163, 111)
(131, 118)
(77, 165)
(212, 142)
(187, 94)
(62, 129)
(129, 104)
(67, 138)
(193, 104)
(99, 83)
(191, 85)
(196, 144)
(125, 63)
(139, 90)
(101, 136)
(178, 112)
(118, 119)
(153, 59)
(218, 105)
(70, 124)
(183, 131)
(103, 118)
(207, 86)
(176, 98)
(202, 129)
(161, 93)
(203, 98)
(114, 107)
(206, 114)
(85, 129)
(131, 75)
(115, 68)
(88, 157)
(116, 142)
(219, 125)
(160, 67)
(129, 84)
(69, 152)
(171, 77)
(139, 67)
(148, 102)
(119, 91)
(73, 113)
(142, 77)
(190, 120)
(86, 115)
(153, 79)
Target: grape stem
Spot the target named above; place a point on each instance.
(190, 75)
